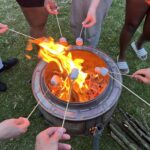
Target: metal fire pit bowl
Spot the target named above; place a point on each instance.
(81, 118)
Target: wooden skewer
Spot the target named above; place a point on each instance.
(130, 91)
(22, 34)
(128, 75)
(70, 90)
(35, 107)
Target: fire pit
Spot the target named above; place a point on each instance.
(89, 108)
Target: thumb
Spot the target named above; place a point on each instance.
(23, 122)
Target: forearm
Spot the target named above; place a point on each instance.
(95, 3)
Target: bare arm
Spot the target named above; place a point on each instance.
(90, 20)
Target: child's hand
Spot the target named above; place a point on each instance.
(51, 7)
(13, 128)
(3, 28)
(90, 19)
(142, 75)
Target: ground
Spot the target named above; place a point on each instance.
(19, 100)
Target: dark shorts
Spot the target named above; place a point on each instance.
(31, 3)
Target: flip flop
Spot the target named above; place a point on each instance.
(123, 66)
(141, 53)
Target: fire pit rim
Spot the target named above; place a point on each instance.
(49, 107)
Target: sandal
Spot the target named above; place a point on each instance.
(141, 53)
(123, 66)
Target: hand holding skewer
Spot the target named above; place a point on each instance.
(142, 75)
(104, 71)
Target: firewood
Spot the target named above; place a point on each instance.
(134, 133)
(121, 135)
(139, 131)
(119, 141)
(131, 118)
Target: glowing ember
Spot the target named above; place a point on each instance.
(87, 86)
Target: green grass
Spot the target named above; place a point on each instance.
(19, 100)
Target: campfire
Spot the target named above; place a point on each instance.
(61, 61)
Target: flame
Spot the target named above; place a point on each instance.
(55, 52)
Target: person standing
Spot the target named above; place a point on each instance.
(89, 13)
(136, 12)
(5, 65)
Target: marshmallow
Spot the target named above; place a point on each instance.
(63, 41)
(101, 70)
(79, 41)
(55, 80)
(74, 74)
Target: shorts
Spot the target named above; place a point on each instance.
(31, 3)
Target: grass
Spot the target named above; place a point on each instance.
(19, 100)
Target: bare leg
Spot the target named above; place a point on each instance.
(37, 18)
(145, 36)
(135, 12)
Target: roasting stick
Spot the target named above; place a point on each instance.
(130, 91)
(74, 75)
(22, 34)
(58, 23)
(81, 31)
(128, 75)
(35, 107)
(70, 90)
(104, 71)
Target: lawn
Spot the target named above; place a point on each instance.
(19, 100)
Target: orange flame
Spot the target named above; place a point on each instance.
(51, 51)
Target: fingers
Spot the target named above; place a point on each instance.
(139, 72)
(62, 146)
(23, 124)
(141, 79)
(65, 137)
(50, 131)
(3, 28)
(58, 134)
(88, 22)
(51, 7)
(51, 11)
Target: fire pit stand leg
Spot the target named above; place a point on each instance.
(96, 137)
